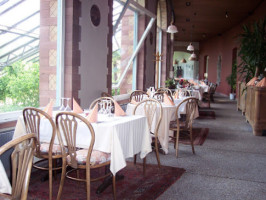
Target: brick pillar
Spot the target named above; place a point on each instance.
(72, 52)
(48, 39)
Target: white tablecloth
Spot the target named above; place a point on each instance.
(167, 116)
(5, 186)
(123, 137)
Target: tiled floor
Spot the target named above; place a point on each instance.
(231, 164)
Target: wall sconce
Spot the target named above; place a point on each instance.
(206, 75)
(172, 28)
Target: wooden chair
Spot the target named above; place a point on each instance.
(67, 124)
(44, 150)
(184, 128)
(167, 90)
(138, 95)
(21, 159)
(153, 110)
(104, 94)
(160, 96)
(105, 103)
(212, 90)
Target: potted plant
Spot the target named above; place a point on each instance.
(170, 83)
(252, 50)
(231, 80)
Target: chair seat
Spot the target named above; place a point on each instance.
(173, 124)
(44, 148)
(5, 197)
(97, 157)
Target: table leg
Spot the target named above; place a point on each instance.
(108, 181)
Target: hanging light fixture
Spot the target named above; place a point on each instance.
(190, 47)
(193, 56)
(172, 28)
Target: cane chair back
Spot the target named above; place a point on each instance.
(158, 96)
(44, 150)
(104, 94)
(185, 126)
(21, 159)
(105, 104)
(167, 90)
(153, 110)
(138, 95)
(67, 124)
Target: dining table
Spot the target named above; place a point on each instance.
(121, 136)
(168, 115)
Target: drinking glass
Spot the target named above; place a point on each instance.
(62, 107)
(67, 107)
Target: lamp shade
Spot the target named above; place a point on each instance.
(172, 29)
(190, 47)
(193, 55)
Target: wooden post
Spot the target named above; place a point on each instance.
(158, 59)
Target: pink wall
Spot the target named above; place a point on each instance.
(223, 45)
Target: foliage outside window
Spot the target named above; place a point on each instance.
(19, 86)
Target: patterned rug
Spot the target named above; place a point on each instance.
(199, 136)
(206, 114)
(133, 186)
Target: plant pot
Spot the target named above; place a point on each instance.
(232, 96)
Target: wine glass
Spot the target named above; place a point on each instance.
(67, 107)
(62, 107)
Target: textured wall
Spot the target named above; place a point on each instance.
(94, 52)
(223, 46)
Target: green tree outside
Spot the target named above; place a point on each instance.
(19, 86)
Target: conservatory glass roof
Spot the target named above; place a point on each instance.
(19, 31)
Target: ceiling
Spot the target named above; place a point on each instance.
(198, 20)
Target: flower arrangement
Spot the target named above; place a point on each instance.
(183, 83)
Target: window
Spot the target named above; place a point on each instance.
(126, 44)
(19, 54)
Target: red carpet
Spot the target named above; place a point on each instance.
(133, 186)
(206, 114)
(199, 136)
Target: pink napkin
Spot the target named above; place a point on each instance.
(93, 116)
(76, 107)
(167, 100)
(118, 110)
(176, 95)
(262, 83)
(252, 81)
(149, 92)
(49, 108)
(133, 102)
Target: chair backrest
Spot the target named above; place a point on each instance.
(21, 159)
(32, 119)
(138, 95)
(105, 104)
(67, 124)
(191, 105)
(212, 88)
(167, 90)
(104, 94)
(153, 110)
(158, 96)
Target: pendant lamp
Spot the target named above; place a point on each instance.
(183, 60)
(172, 28)
(190, 47)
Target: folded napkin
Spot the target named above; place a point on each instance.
(176, 95)
(93, 116)
(133, 102)
(202, 83)
(167, 100)
(49, 108)
(76, 107)
(149, 92)
(118, 110)
(262, 83)
(252, 81)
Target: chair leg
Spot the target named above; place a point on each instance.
(51, 178)
(88, 183)
(176, 143)
(63, 175)
(144, 166)
(157, 152)
(135, 158)
(114, 187)
(191, 141)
